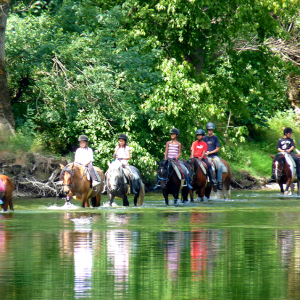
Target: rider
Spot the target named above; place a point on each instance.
(173, 152)
(84, 156)
(213, 147)
(286, 144)
(199, 148)
(2, 189)
(122, 153)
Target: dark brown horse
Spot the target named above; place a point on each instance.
(199, 181)
(77, 186)
(283, 174)
(7, 194)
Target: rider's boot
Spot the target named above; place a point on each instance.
(187, 179)
(219, 186)
(95, 183)
(211, 177)
(133, 185)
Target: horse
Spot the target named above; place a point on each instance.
(77, 185)
(169, 181)
(226, 180)
(204, 188)
(118, 186)
(7, 194)
(199, 181)
(283, 174)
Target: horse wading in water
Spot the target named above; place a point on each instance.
(117, 184)
(6, 195)
(169, 181)
(77, 185)
(283, 174)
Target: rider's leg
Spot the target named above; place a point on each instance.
(95, 181)
(1, 202)
(133, 180)
(186, 174)
(293, 155)
(219, 173)
(210, 172)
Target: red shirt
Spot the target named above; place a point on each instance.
(199, 147)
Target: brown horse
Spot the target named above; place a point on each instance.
(77, 185)
(199, 182)
(283, 174)
(7, 194)
(226, 180)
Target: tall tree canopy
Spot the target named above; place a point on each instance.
(143, 67)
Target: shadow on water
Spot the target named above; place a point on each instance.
(244, 248)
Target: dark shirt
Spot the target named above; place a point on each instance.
(212, 143)
(285, 144)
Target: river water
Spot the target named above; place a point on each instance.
(245, 248)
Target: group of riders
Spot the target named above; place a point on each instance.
(205, 148)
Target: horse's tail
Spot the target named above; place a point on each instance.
(141, 194)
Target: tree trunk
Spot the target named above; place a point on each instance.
(294, 93)
(7, 123)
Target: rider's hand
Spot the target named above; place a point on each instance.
(115, 155)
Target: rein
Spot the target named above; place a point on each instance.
(119, 186)
(71, 186)
(168, 174)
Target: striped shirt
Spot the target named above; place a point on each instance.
(173, 150)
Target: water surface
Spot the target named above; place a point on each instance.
(245, 248)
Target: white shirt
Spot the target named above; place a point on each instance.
(84, 155)
(122, 152)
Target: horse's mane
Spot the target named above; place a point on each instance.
(279, 157)
(68, 169)
(115, 167)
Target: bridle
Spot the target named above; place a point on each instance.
(71, 186)
(169, 174)
(277, 170)
(118, 186)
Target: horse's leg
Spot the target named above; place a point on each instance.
(135, 199)
(191, 195)
(288, 183)
(281, 187)
(111, 199)
(69, 196)
(125, 201)
(165, 193)
(208, 192)
(176, 196)
(292, 188)
(184, 193)
(298, 187)
(202, 192)
(10, 202)
(98, 199)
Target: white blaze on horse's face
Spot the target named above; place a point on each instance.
(113, 179)
(67, 182)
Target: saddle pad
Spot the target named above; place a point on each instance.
(201, 165)
(88, 175)
(177, 171)
(291, 163)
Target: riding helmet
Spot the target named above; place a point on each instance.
(83, 138)
(210, 125)
(123, 137)
(174, 130)
(200, 131)
(287, 130)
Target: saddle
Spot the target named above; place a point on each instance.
(217, 164)
(88, 175)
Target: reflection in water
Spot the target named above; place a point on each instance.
(118, 247)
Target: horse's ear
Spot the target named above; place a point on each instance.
(272, 156)
(61, 166)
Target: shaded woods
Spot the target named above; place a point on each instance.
(142, 67)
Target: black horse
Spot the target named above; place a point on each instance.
(117, 187)
(169, 181)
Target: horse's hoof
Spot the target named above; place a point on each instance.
(286, 193)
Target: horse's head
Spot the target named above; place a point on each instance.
(114, 177)
(67, 176)
(163, 173)
(278, 165)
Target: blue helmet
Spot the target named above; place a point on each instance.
(200, 131)
(210, 125)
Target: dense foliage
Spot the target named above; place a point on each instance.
(142, 67)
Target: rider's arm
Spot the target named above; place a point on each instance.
(214, 151)
(179, 151)
(129, 156)
(193, 151)
(166, 151)
(291, 149)
(204, 150)
(280, 150)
